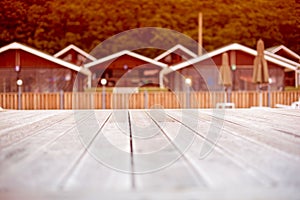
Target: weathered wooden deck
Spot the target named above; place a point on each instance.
(150, 154)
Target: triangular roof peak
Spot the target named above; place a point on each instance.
(125, 52)
(176, 47)
(275, 49)
(77, 49)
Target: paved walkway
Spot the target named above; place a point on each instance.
(150, 154)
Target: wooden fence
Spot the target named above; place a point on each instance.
(68, 100)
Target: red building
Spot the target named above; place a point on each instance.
(204, 70)
(125, 69)
(38, 71)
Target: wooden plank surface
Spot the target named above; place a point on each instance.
(157, 162)
(153, 153)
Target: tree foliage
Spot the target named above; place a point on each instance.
(52, 25)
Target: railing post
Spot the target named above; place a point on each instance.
(188, 97)
(92, 97)
(229, 94)
(19, 97)
(260, 98)
(103, 96)
(269, 95)
(61, 99)
(146, 99)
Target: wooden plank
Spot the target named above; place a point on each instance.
(157, 162)
(62, 149)
(105, 163)
(14, 129)
(29, 161)
(268, 165)
(16, 152)
(218, 167)
(262, 119)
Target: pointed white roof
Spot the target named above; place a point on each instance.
(125, 52)
(230, 47)
(75, 48)
(178, 46)
(284, 48)
(291, 62)
(45, 56)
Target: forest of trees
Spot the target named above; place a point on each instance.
(52, 25)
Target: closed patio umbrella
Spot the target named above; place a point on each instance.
(260, 68)
(225, 73)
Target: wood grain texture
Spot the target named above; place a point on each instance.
(150, 154)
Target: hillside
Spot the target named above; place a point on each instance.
(52, 25)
